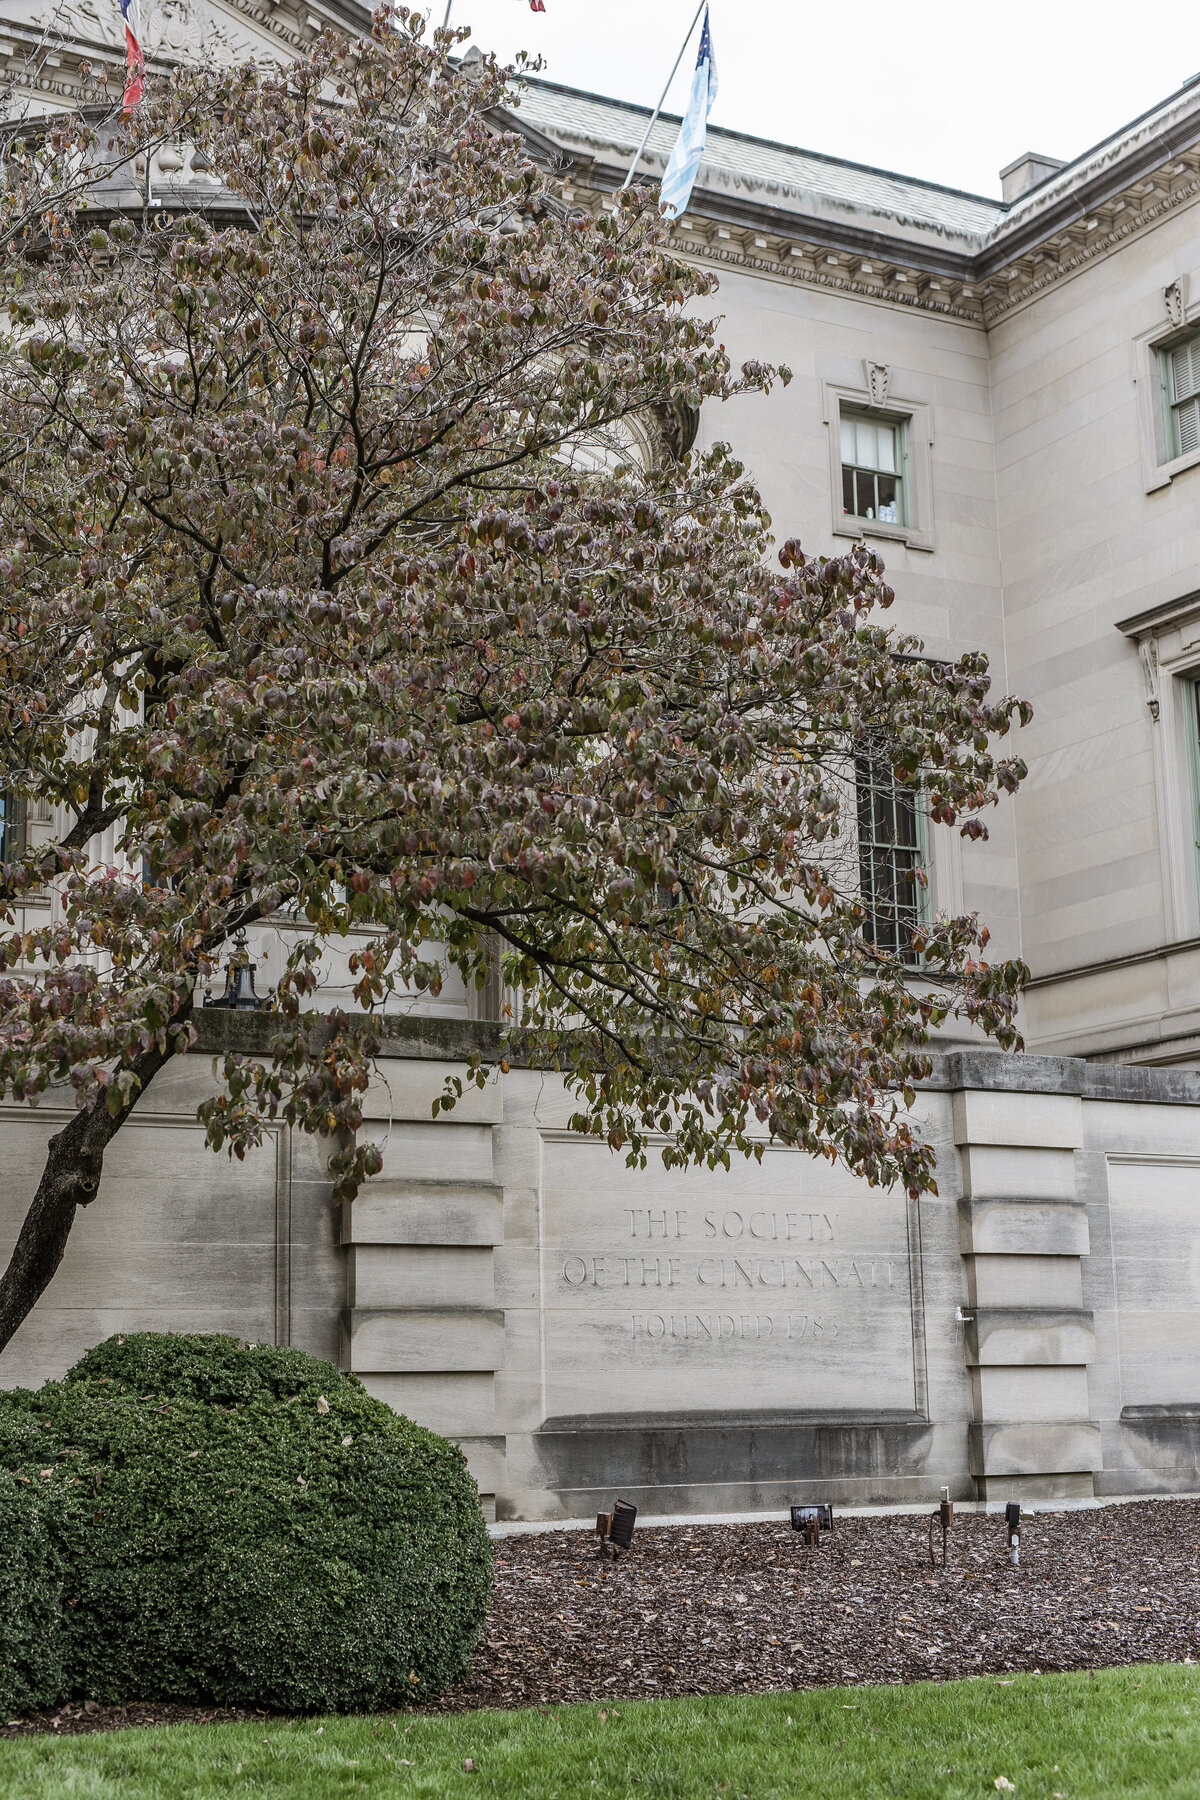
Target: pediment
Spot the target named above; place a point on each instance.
(173, 31)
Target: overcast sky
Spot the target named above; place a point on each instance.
(951, 92)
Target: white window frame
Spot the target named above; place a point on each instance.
(916, 419)
(897, 426)
(1167, 641)
(1173, 406)
(1151, 351)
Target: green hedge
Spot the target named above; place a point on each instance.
(249, 1526)
(31, 1645)
(208, 1366)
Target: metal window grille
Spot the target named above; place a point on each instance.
(873, 469)
(1183, 364)
(890, 852)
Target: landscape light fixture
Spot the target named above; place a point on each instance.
(944, 1516)
(615, 1528)
(812, 1520)
(1012, 1527)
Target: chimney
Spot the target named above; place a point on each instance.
(1029, 171)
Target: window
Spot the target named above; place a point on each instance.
(891, 851)
(873, 468)
(880, 448)
(12, 827)
(1181, 384)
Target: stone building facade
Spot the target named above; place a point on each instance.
(1003, 397)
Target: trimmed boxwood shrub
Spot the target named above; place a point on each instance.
(249, 1526)
(31, 1666)
(210, 1366)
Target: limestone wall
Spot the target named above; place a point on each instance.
(695, 1341)
(949, 585)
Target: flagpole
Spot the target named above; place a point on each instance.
(661, 98)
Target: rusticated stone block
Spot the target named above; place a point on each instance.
(418, 1339)
(1016, 1336)
(1062, 1446)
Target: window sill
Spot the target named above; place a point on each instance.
(916, 539)
(1164, 473)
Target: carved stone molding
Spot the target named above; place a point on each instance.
(1148, 651)
(879, 380)
(675, 424)
(1135, 215)
(949, 301)
(1175, 300)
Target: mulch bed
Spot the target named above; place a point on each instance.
(743, 1609)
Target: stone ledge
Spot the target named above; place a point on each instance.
(1168, 1409)
(413, 1036)
(1030, 1337)
(997, 1071)
(419, 1038)
(703, 1452)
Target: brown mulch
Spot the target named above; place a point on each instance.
(86, 1715)
(740, 1609)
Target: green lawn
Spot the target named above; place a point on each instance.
(1120, 1733)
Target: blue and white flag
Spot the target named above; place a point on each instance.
(680, 177)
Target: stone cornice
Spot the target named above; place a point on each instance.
(1157, 619)
(981, 289)
(416, 1038)
(773, 243)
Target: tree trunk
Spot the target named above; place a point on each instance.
(70, 1179)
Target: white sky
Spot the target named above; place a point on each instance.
(939, 88)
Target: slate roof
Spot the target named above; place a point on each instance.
(799, 180)
(808, 184)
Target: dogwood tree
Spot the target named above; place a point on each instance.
(332, 591)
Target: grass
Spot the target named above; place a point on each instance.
(1113, 1735)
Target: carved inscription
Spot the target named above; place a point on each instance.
(695, 1266)
(778, 1288)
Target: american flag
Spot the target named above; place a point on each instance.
(134, 61)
